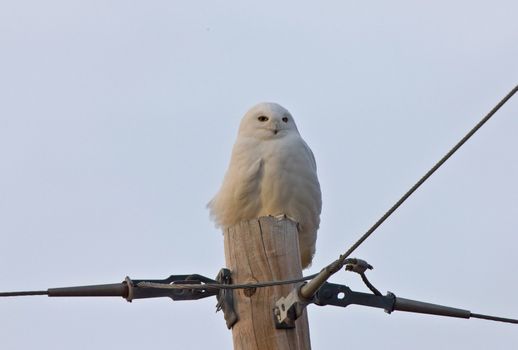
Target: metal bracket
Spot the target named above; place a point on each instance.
(288, 309)
(226, 299)
(130, 290)
(340, 295)
(136, 292)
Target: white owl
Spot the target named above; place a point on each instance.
(272, 171)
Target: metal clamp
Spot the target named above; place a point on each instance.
(288, 309)
(226, 299)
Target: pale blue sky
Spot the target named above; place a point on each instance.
(116, 124)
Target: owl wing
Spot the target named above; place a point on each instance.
(238, 198)
(248, 182)
(310, 155)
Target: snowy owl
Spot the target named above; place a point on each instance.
(272, 171)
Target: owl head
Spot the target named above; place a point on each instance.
(267, 121)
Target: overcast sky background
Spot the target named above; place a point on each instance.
(117, 120)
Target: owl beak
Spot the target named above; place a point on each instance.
(276, 128)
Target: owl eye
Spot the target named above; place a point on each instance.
(262, 118)
(285, 119)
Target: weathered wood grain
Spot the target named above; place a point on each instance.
(264, 249)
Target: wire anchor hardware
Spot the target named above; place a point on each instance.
(288, 309)
(192, 287)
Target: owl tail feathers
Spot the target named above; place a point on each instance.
(213, 215)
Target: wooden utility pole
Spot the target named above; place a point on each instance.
(258, 250)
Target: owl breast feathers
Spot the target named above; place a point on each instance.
(272, 171)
